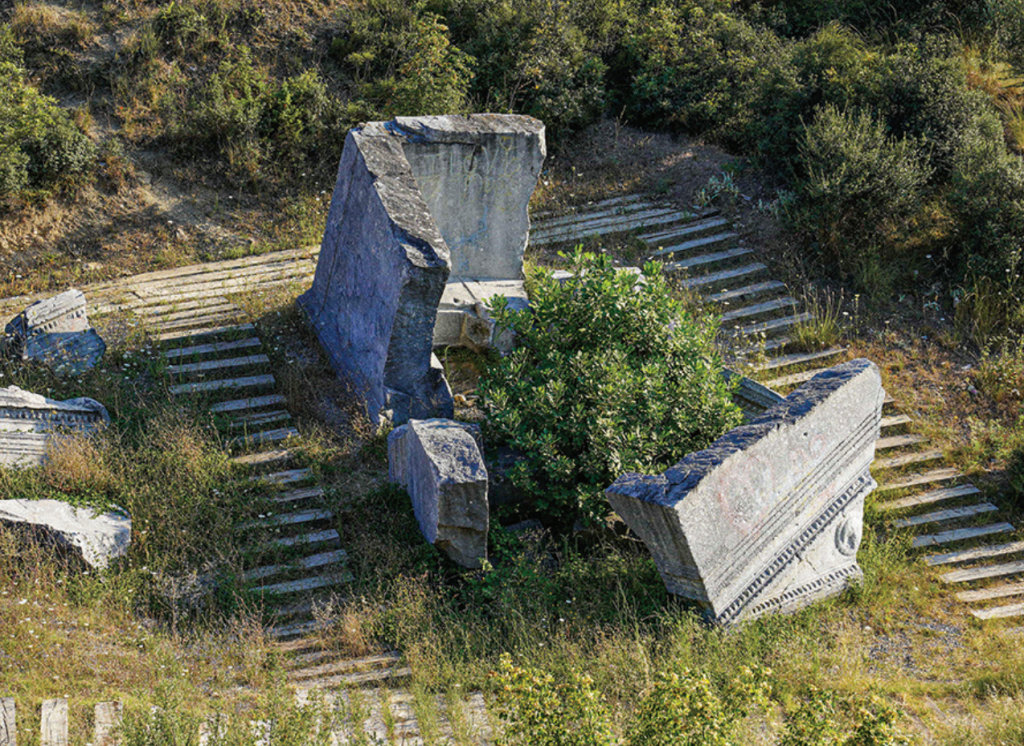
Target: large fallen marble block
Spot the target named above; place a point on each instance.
(439, 463)
(769, 517)
(56, 332)
(95, 538)
(29, 422)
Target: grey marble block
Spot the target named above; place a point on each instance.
(56, 333)
(769, 517)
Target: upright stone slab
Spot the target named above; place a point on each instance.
(769, 517)
(28, 422)
(476, 174)
(379, 278)
(56, 332)
(440, 465)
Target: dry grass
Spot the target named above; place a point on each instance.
(52, 25)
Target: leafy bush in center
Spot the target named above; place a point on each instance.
(611, 373)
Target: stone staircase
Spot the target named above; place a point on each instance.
(956, 529)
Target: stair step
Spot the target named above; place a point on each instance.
(223, 318)
(252, 402)
(991, 593)
(999, 612)
(262, 458)
(975, 554)
(704, 261)
(209, 365)
(983, 573)
(213, 348)
(927, 498)
(799, 358)
(206, 331)
(306, 540)
(762, 347)
(543, 218)
(355, 679)
(709, 282)
(162, 308)
(199, 310)
(279, 435)
(690, 230)
(960, 534)
(786, 304)
(949, 514)
(297, 495)
(292, 476)
(304, 608)
(300, 630)
(604, 226)
(344, 666)
(312, 561)
(934, 476)
(260, 418)
(715, 241)
(747, 292)
(908, 459)
(899, 441)
(298, 518)
(586, 216)
(899, 420)
(304, 584)
(226, 384)
(793, 379)
(770, 327)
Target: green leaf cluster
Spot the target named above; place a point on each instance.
(611, 373)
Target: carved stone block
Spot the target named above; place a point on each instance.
(28, 422)
(769, 517)
(56, 332)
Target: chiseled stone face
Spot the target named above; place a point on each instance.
(414, 197)
(439, 463)
(29, 421)
(769, 517)
(56, 332)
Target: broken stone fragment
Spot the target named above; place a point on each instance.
(56, 333)
(769, 517)
(95, 538)
(440, 465)
(29, 422)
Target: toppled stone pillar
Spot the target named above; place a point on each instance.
(440, 465)
(769, 517)
(95, 538)
(56, 332)
(28, 422)
(414, 197)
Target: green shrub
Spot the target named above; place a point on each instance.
(858, 182)
(687, 710)
(538, 712)
(819, 721)
(40, 147)
(610, 374)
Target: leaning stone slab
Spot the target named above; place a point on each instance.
(56, 332)
(414, 197)
(29, 422)
(769, 517)
(95, 538)
(440, 465)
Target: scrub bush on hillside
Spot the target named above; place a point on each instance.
(611, 373)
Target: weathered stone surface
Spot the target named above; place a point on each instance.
(440, 465)
(464, 318)
(769, 517)
(29, 421)
(476, 174)
(95, 538)
(414, 197)
(56, 332)
(379, 278)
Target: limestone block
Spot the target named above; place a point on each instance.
(93, 537)
(439, 463)
(28, 423)
(464, 318)
(476, 174)
(379, 278)
(56, 332)
(769, 517)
